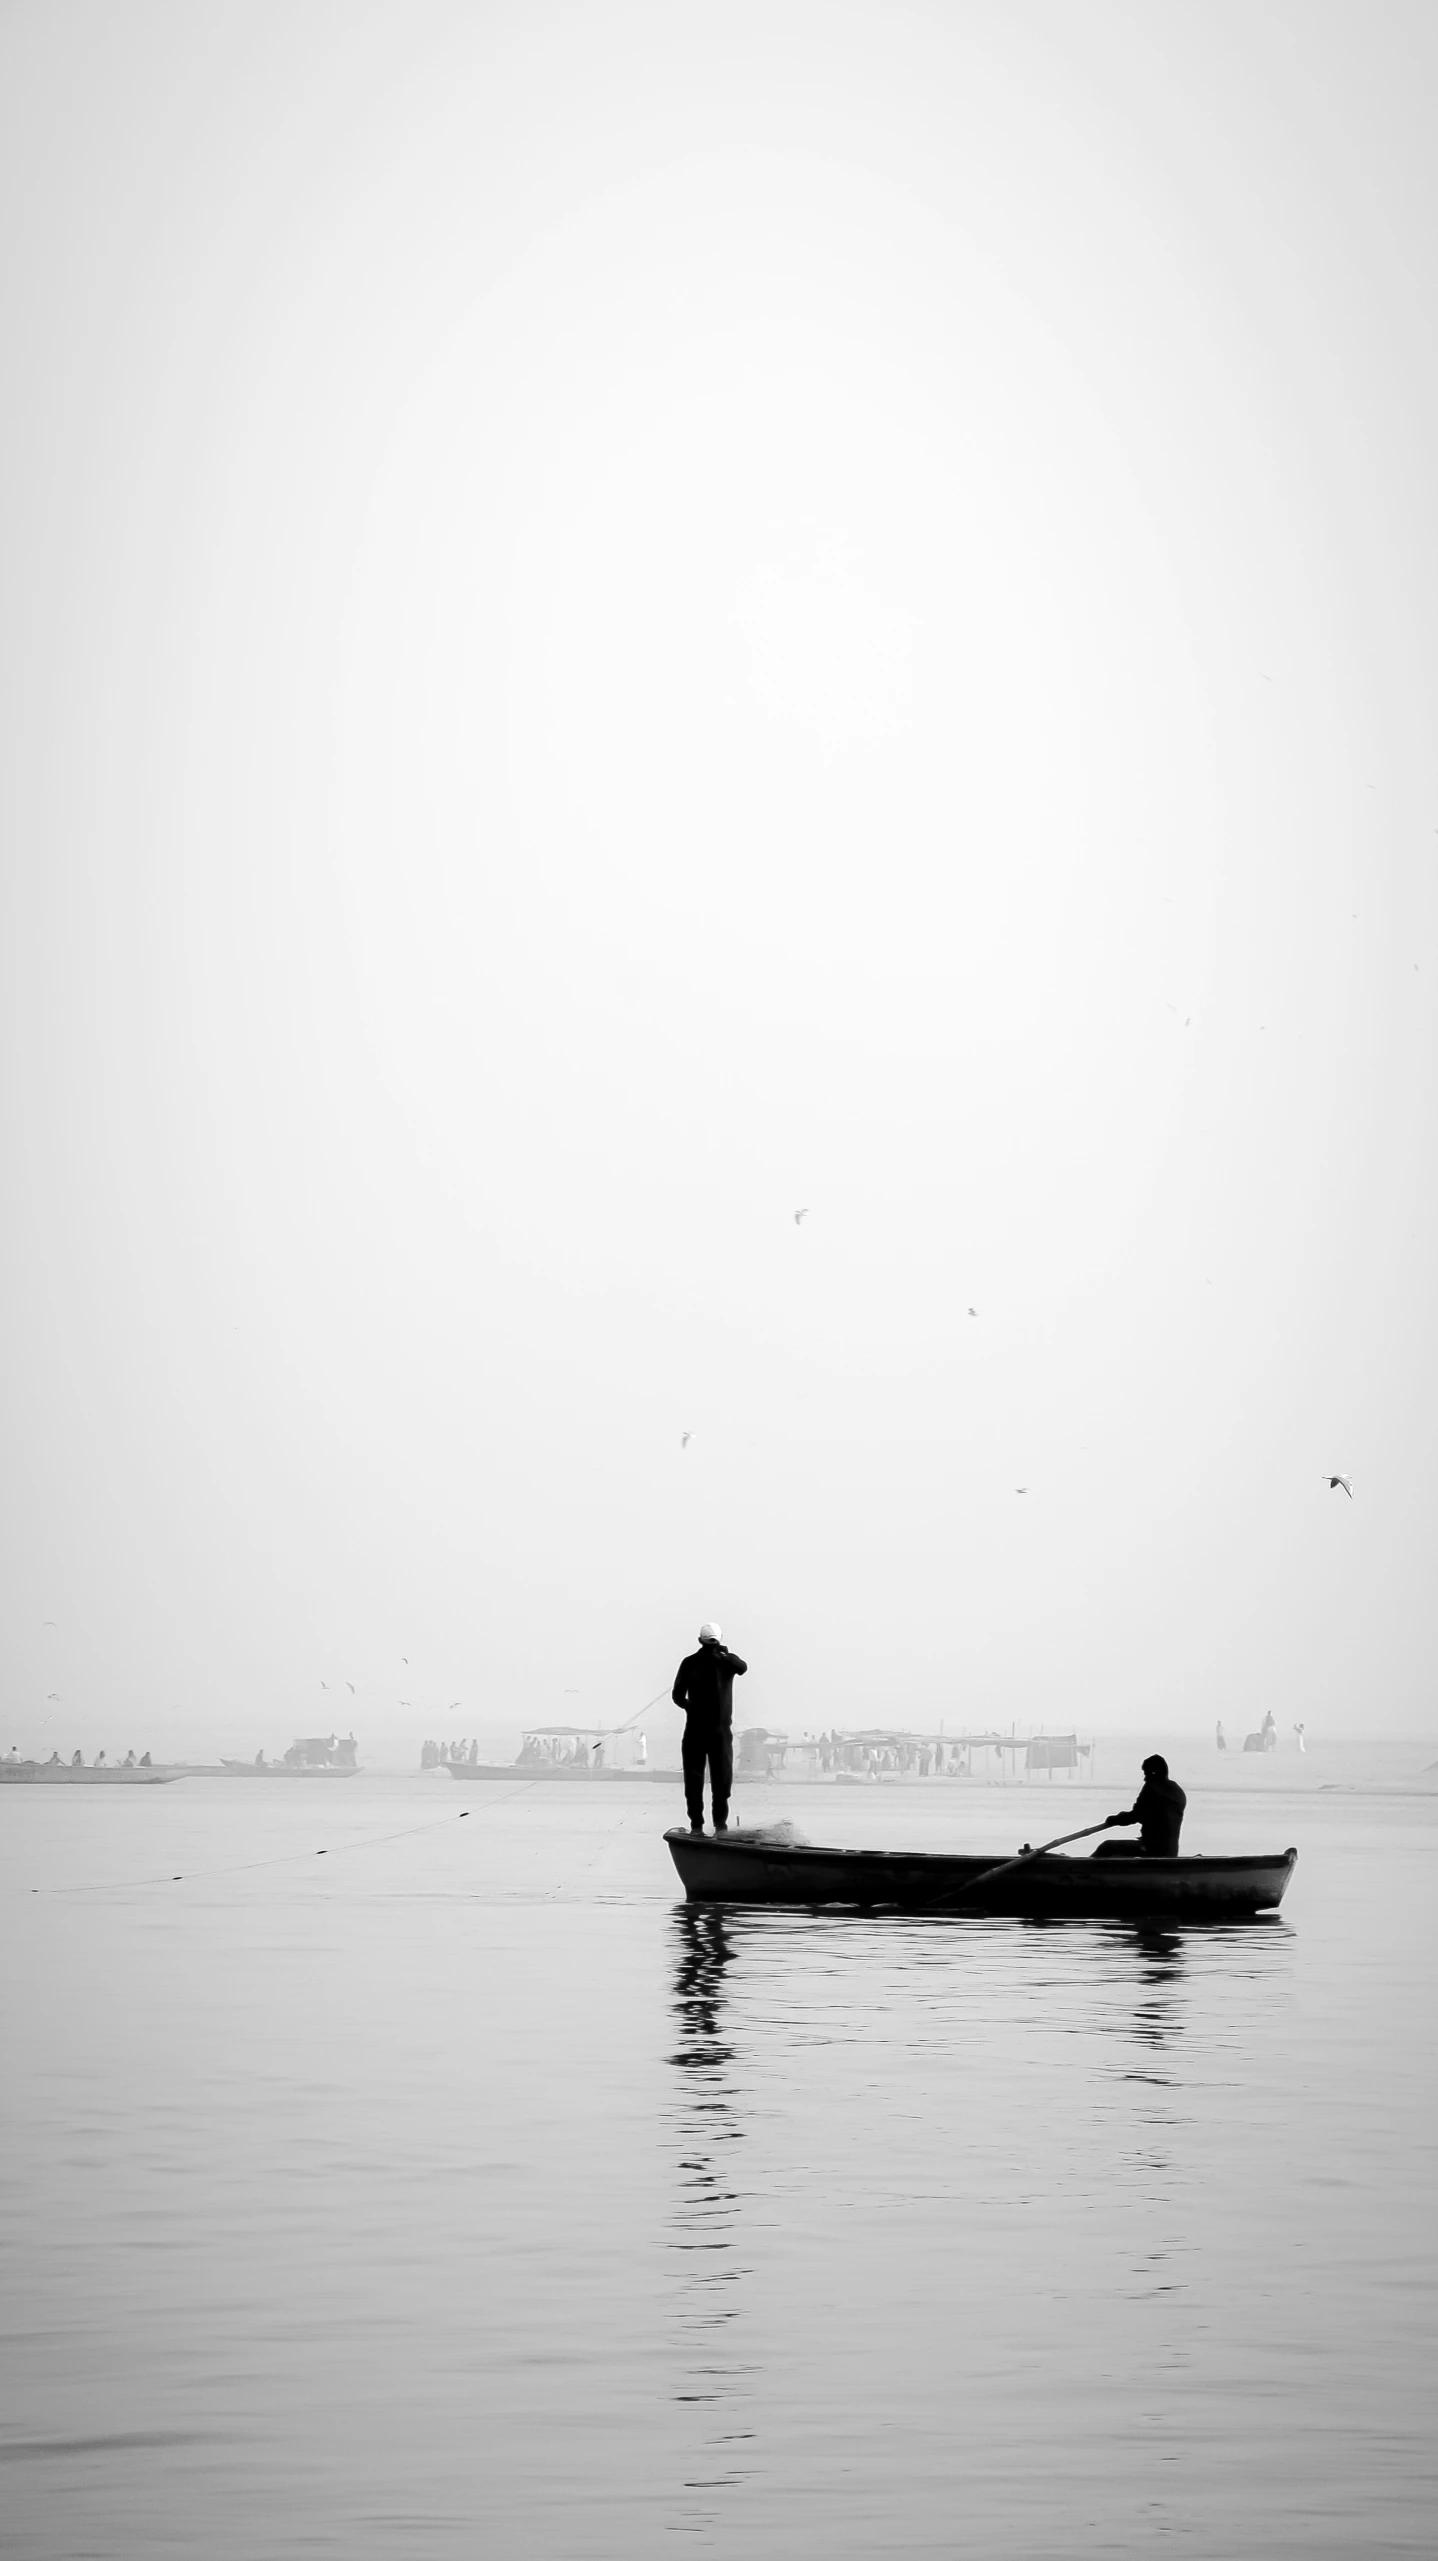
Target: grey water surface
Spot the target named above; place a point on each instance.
(463, 2193)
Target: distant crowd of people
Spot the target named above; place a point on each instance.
(1265, 1739)
(436, 1756)
(77, 1761)
(762, 1754)
(565, 1751)
(902, 1759)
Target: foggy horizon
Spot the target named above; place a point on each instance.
(721, 902)
(620, 622)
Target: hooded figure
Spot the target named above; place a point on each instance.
(704, 1688)
(1158, 1808)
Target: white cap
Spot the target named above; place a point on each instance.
(709, 1634)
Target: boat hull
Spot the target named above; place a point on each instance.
(557, 1774)
(277, 1769)
(735, 1868)
(46, 1774)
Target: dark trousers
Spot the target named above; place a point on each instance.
(708, 1747)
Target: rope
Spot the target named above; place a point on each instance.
(246, 1867)
(656, 1701)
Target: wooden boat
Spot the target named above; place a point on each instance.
(547, 1773)
(568, 1755)
(279, 1769)
(65, 1774)
(765, 1867)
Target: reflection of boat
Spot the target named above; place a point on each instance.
(738, 1867)
(69, 1774)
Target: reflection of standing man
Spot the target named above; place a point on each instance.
(704, 1688)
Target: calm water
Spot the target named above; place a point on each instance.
(464, 2194)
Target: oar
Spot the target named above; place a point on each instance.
(1006, 1866)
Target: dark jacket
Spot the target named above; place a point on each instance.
(704, 1685)
(1158, 1806)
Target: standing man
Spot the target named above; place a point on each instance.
(704, 1688)
(1158, 1808)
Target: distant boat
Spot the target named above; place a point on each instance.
(281, 1769)
(545, 1772)
(69, 1774)
(905, 1756)
(312, 1756)
(739, 1867)
(567, 1752)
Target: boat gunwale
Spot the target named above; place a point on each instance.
(786, 1852)
(751, 1874)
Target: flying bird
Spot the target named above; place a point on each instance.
(684, 1439)
(50, 1622)
(324, 1685)
(799, 1217)
(973, 1311)
(349, 1685)
(55, 1695)
(1333, 1482)
(1021, 1489)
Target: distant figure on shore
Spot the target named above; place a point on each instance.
(1298, 1730)
(145, 1761)
(1220, 1738)
(704, 1688)
(1158, 1809)
(76, 1763)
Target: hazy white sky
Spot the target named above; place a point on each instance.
(617, 619)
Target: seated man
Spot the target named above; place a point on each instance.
(1158, 1808)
